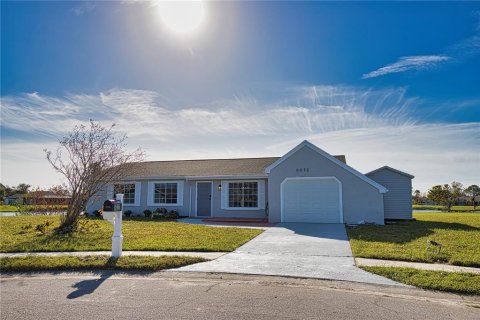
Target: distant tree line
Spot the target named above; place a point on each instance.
(26, 193)
(448, 195)
(7, 191)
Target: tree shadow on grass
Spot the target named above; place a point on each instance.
(403, 232)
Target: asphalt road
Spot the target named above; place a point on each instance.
(209, 296)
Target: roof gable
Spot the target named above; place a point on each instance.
(308, 144)
(211, 168)
(392, 170)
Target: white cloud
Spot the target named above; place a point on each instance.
(455, 53)
(372, 127)
(83, 8)
(408, 63)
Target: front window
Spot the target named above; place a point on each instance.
(165, 193)
(128, 190)
(243, 194)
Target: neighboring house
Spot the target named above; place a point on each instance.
(14, 199)
(467, 201)
(37, 197)
(305, 185)
(42, 197)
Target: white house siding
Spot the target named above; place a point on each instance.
(361, 200)
(398, 200)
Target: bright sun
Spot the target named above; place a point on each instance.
(182, 17)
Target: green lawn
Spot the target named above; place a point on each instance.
(454, 208)
(18, 234)
(5, 208)
(32, 208)
(144, 263)
(434, 280)
(459, 234)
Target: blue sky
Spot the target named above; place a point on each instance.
(394, 83)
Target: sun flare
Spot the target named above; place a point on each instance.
(182, 17)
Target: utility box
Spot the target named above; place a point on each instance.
(112, 205)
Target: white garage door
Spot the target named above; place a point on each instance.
(314, 200)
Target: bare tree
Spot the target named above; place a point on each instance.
(91, 157)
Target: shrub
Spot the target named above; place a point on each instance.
(159, 213)
(172, 214)
(42, 228)
(147, 213)
(164, 214)
(128, 213)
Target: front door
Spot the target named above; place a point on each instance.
(204, 199)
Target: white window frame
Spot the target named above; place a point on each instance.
(151, 194)
(138, 192)
(226, 194)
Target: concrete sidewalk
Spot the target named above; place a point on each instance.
(215, 255)
(415, 265)
(206, 255)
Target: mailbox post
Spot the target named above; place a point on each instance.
(113, 211)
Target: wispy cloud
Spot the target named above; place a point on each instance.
(373, 127)
(471, 45)
(408, 63)
(455, 53)
(83, 8)
(141, 113)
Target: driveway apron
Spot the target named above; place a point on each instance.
(296, 250)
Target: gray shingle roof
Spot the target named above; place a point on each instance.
(390, 169)
(206, 168)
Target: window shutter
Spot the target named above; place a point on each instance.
(261, 194)
(224, 195)
(138, 192)
(110, 191)
(150, 189)
(180, 193)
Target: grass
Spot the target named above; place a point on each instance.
(459, 282)
(143, 263)
(458, 233)
(8, 208)
(442, 208)
(30, 208)
(19, 234)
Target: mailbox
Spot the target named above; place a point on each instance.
(112, 211)
(112, 205)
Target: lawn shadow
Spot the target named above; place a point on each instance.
(403, 232)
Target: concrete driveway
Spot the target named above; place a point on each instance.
(297, 250)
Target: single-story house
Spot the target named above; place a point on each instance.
(467, 201)
(14, 199)
(305, 185)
